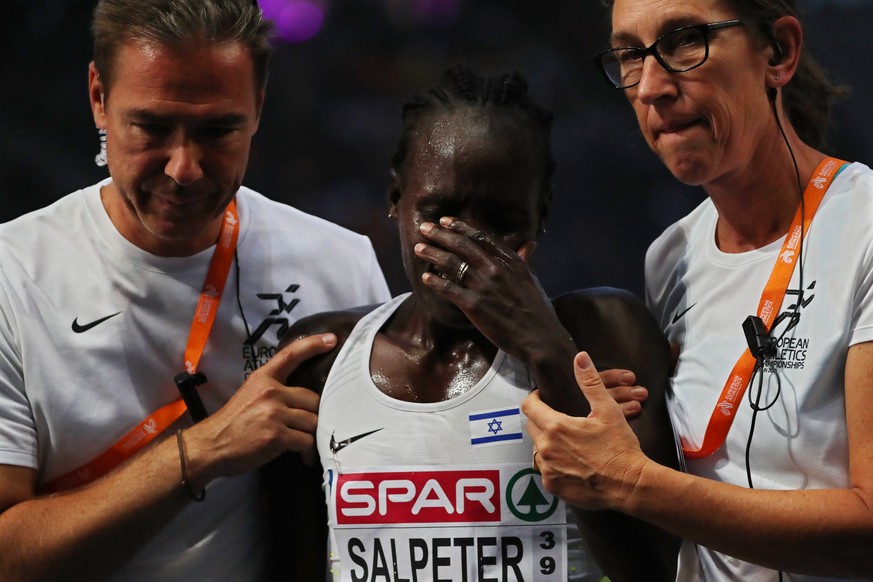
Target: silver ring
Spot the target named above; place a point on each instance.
(534, 461)
(462, 270)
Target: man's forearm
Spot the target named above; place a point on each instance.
(89, 532)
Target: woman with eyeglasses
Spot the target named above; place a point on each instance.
(766, 293)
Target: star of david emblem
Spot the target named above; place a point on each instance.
(495, 426)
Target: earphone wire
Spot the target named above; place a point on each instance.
(759, 365)
(238, 298)
(802, 208)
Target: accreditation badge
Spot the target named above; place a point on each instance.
(457, 523)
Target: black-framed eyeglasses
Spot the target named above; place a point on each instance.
(677, 51)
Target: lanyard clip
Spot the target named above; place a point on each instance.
(187, 384)
(760, 343)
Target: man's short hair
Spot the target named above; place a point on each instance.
(179, 23)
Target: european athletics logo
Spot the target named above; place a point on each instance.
(496, 426)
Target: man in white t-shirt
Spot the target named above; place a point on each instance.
(131, 309)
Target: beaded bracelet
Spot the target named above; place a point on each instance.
(186, 484)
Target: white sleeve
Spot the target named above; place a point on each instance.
(375, 289)
(18, 443)
(862, 316)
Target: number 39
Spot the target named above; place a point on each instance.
(547, 563)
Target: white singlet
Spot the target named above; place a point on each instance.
(437, 491)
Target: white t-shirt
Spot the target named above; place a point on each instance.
(65, 397)
(439, 488)
(701, 296)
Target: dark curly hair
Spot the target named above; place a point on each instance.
(460, 87)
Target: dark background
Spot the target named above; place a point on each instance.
(332, 115)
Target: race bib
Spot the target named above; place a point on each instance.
(447, 524)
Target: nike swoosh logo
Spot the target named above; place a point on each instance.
(82, 328)
(336, 446)
(678, 315)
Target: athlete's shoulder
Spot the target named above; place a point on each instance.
(313, 373)
(611, 324)
(598, 304)
(341, 323)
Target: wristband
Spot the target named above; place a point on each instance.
(186, 484)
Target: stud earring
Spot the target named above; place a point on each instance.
(100, 158)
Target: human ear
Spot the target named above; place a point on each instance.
(786, 45)
(394, 192)
(96, 94)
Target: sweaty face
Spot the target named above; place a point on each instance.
(179, 125)
(481, 166)
(705, 123)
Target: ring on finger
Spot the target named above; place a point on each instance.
(534, 461)
(462, 270)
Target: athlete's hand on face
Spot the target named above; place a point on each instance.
(263, 419)
(591, 462)
(499, 293)
(620, 385)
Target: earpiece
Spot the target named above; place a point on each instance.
(775, 60)
(777, 53)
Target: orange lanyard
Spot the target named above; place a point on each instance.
(771, 301)
(201, 325)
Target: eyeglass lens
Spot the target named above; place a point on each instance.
(677, 51)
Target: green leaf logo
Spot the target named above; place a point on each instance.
(527, 499)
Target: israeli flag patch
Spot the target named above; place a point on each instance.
(495, 426)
